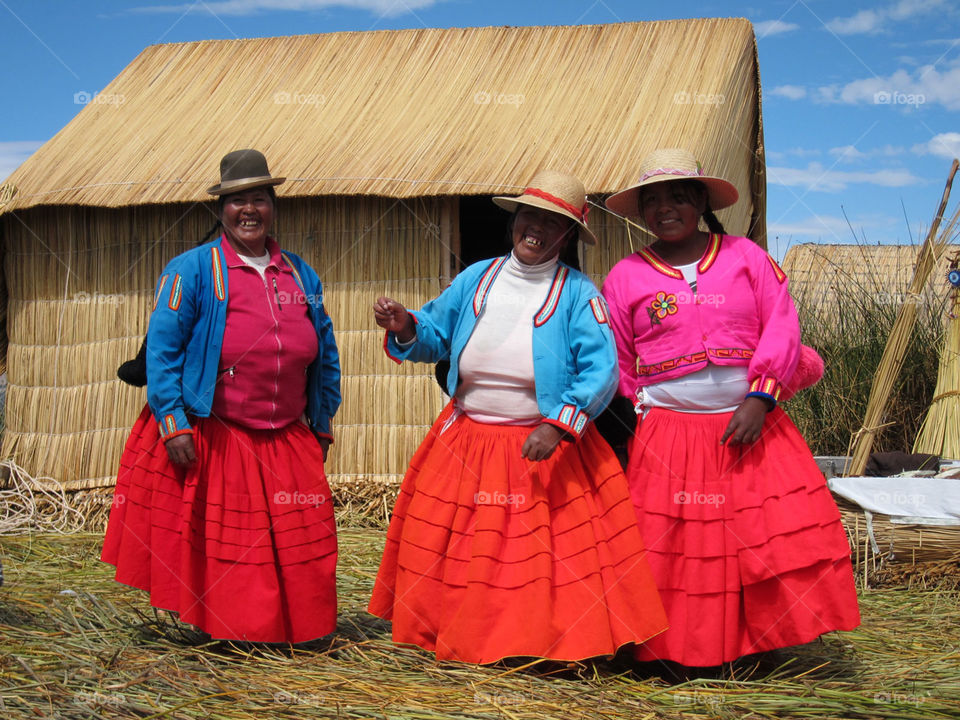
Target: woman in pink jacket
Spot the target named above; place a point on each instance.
(743, 536)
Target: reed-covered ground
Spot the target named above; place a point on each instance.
(74, 644)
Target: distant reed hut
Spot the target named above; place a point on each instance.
(392, 143)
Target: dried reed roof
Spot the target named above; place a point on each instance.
(883, 272)
(413, 113)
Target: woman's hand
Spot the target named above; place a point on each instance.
(324, 446)
(393, 317)
(541, 443)
(747, 422)
(181, 451)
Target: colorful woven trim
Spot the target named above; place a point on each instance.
(176, 292)
(294, 269)
(692, 359)
(480, 296)
(219, 287)
(713, 249)
(766, 385)
(553, 297)
(571, 419)
(599, 307)
(156, 298)
(659, 265)
(671, 171)
(781, 275)
(579, 214)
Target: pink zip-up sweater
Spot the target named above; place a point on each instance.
(268, 343)
(742, 314)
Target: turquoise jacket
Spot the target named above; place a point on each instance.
(574, 353)
(185, 337)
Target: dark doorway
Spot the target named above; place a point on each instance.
(483, 230)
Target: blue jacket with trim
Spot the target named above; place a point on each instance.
(574, 353)
(185, 338)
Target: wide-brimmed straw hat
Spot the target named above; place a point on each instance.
(242, 170)
(558, 192)
(666, 165)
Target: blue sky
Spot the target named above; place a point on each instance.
(861, 101)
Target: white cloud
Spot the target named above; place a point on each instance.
(12, 155)
(876, 20)
(252, 7)
(791, 92)
(766, 28)
(848, 153)
(946, 145)
(925, 85)
(865, 21)
(816, 178)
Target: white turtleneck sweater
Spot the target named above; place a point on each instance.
(496, 365)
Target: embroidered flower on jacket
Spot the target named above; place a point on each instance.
(664, 304)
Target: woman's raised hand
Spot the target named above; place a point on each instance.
(393, 317)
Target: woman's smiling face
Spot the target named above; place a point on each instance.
(247, 217)
(672, 210)
(539, 235)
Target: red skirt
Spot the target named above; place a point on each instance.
(745, 543)
(489, 555)
(242, 544)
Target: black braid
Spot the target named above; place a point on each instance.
(713, 223)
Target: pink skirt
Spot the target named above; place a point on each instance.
(490, 555)
(242, 544)
(745, 543)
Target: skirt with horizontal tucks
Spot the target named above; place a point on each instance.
(242, 544)
(745, 542)
(490, 555)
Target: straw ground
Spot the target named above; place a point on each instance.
(77, 645)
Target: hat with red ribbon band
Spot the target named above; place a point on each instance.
(557, 192)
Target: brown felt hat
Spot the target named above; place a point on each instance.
(666, 165)
(242, 170)
(558, 192)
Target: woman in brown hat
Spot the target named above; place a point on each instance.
(743, 536)
(221, 494)
(513, 534)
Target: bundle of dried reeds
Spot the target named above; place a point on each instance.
(940, 433)
(932, 249)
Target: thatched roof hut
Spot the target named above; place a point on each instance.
(392, 143)
(822, 276)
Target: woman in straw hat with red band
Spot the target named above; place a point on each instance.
(222, 510)
(743, 536)
(513, 534)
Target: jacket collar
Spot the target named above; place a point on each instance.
(706, 262)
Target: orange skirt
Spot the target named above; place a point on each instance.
(243, 544)
(745, 543)
(489, 555)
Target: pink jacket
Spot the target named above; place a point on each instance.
(742, 314)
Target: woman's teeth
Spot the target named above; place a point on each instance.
(532, 241)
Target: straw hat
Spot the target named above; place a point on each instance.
(673, 164)
(242, 170)
(557, 192)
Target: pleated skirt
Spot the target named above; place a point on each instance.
(242, 544)
(489, 555)
(745, 543)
